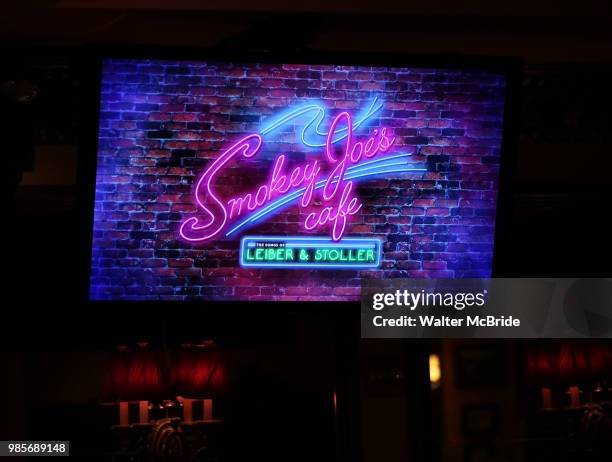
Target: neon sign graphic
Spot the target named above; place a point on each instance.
(309, 252)
(331, 178)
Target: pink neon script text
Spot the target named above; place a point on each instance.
(338, 198)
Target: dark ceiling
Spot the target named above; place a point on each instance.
(538, 31)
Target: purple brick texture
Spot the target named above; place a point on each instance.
(162, 123)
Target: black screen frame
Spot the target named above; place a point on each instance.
(509, 67)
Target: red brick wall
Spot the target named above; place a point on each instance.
(162, 122)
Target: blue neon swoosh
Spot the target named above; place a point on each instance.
(354, 174)
(313, 126)
(296, 194)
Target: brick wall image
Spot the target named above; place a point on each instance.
(162, 123)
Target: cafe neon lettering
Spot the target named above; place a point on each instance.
(357, 159)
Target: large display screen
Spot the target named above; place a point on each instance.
(260, 181)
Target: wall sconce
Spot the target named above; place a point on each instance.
(566, 365)
(435, 371)
(134, 376)
(198, 375)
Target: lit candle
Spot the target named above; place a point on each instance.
(143, 411)
(208, 409)
(124, 418)
(188, 410)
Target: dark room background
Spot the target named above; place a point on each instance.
(559, 223)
